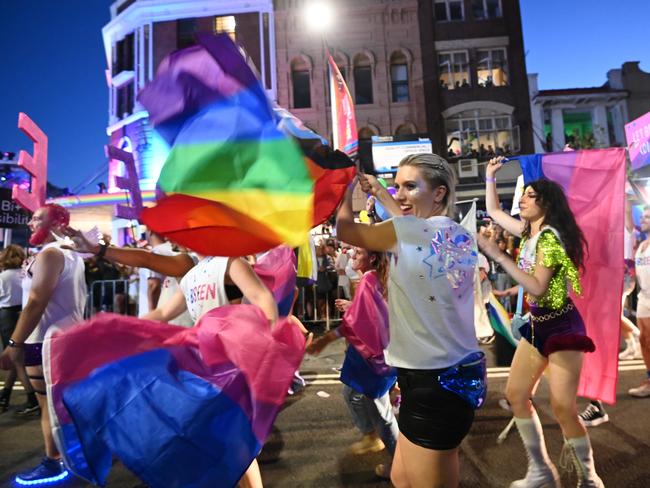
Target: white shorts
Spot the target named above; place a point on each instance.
(642, 307)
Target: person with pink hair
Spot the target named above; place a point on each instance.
(54, 293)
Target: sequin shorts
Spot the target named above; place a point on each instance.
(557, 330)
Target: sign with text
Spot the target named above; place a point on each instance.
(637, 134)
(387, 154)
(12, 215)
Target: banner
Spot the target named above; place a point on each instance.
(344, 123)
(637, 134)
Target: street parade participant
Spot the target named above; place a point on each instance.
(54, 293)
(202, 289)
(11, 300)
(366, 377)
(642, 266)
(551, 252)
(430, 297)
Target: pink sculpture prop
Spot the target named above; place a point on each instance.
(35, 165)
(129, 183)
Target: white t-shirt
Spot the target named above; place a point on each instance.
(486, 286)
(66, 306)
(11, 289)
(431, 294)
(642, 267)
(203, 286)
(144, 274)
(340, 264)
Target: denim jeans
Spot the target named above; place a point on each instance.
(373, 415)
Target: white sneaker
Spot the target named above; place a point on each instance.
(628, 352)
(641, 391)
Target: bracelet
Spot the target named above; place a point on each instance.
(490, 179)
(102, 250)
(12, 343)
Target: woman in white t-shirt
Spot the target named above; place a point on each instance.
(11, 299)
(431, 312)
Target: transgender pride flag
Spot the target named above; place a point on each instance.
(594, 182)
(179, 407)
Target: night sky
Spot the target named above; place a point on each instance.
(53, 63)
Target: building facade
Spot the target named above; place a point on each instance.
(141, 33)
(376, 46)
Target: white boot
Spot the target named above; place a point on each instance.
(583, 460)
(541, 471)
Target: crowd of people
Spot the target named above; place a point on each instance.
(403, 290)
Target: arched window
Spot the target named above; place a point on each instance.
(405, 129)
(399, 77)
(366, 133)
(362, 79)
(300, 75)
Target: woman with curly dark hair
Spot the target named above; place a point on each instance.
(551, 252)
(11, 296)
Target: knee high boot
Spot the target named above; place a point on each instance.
(583, 460)
(541, 471)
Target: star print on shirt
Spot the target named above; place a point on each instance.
(452, 253)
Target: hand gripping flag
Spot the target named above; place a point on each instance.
(179, 407)
(594, 183)
(365, 326)
(235, 184)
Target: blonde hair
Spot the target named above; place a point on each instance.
(436, 172)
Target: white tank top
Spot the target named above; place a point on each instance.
(203, 286)
(66, 306)
(642, 267)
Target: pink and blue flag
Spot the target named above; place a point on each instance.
(365, 326)
(277, 270)
(177, 406)
(594, 182)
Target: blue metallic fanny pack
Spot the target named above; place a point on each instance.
(467, 379)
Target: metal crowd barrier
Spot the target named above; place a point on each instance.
(106, 292)
(332, 316)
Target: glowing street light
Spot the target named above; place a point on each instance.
(318, 16)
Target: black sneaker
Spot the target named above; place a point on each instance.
(29, 408)
(594, 415)
(5, 395)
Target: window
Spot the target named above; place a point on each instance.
(481, 133)
(492, 67)
(362, 74)
(447, 10)
(301, 91)
(399, 77)
(454, 70)
(486, 9)
(185, 29)
(124, 55)
(125, 100)
(227, 25)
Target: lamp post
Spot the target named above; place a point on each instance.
(318, 16)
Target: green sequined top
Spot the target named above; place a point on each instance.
(555, 257)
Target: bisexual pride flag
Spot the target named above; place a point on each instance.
(235, 184)
(277, 270)
(178, 407)
(594, 183)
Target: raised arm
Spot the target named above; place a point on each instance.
(241, 273)
(377, 237)
(509, 223)
(175, 266)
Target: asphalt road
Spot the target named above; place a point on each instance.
(308, 445)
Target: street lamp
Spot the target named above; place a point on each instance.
(318, 16)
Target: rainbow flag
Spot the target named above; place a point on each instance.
(594, 182)
(178, 407)
(499, 320)
(235, 184)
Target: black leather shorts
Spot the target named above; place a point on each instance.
(429, 415)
